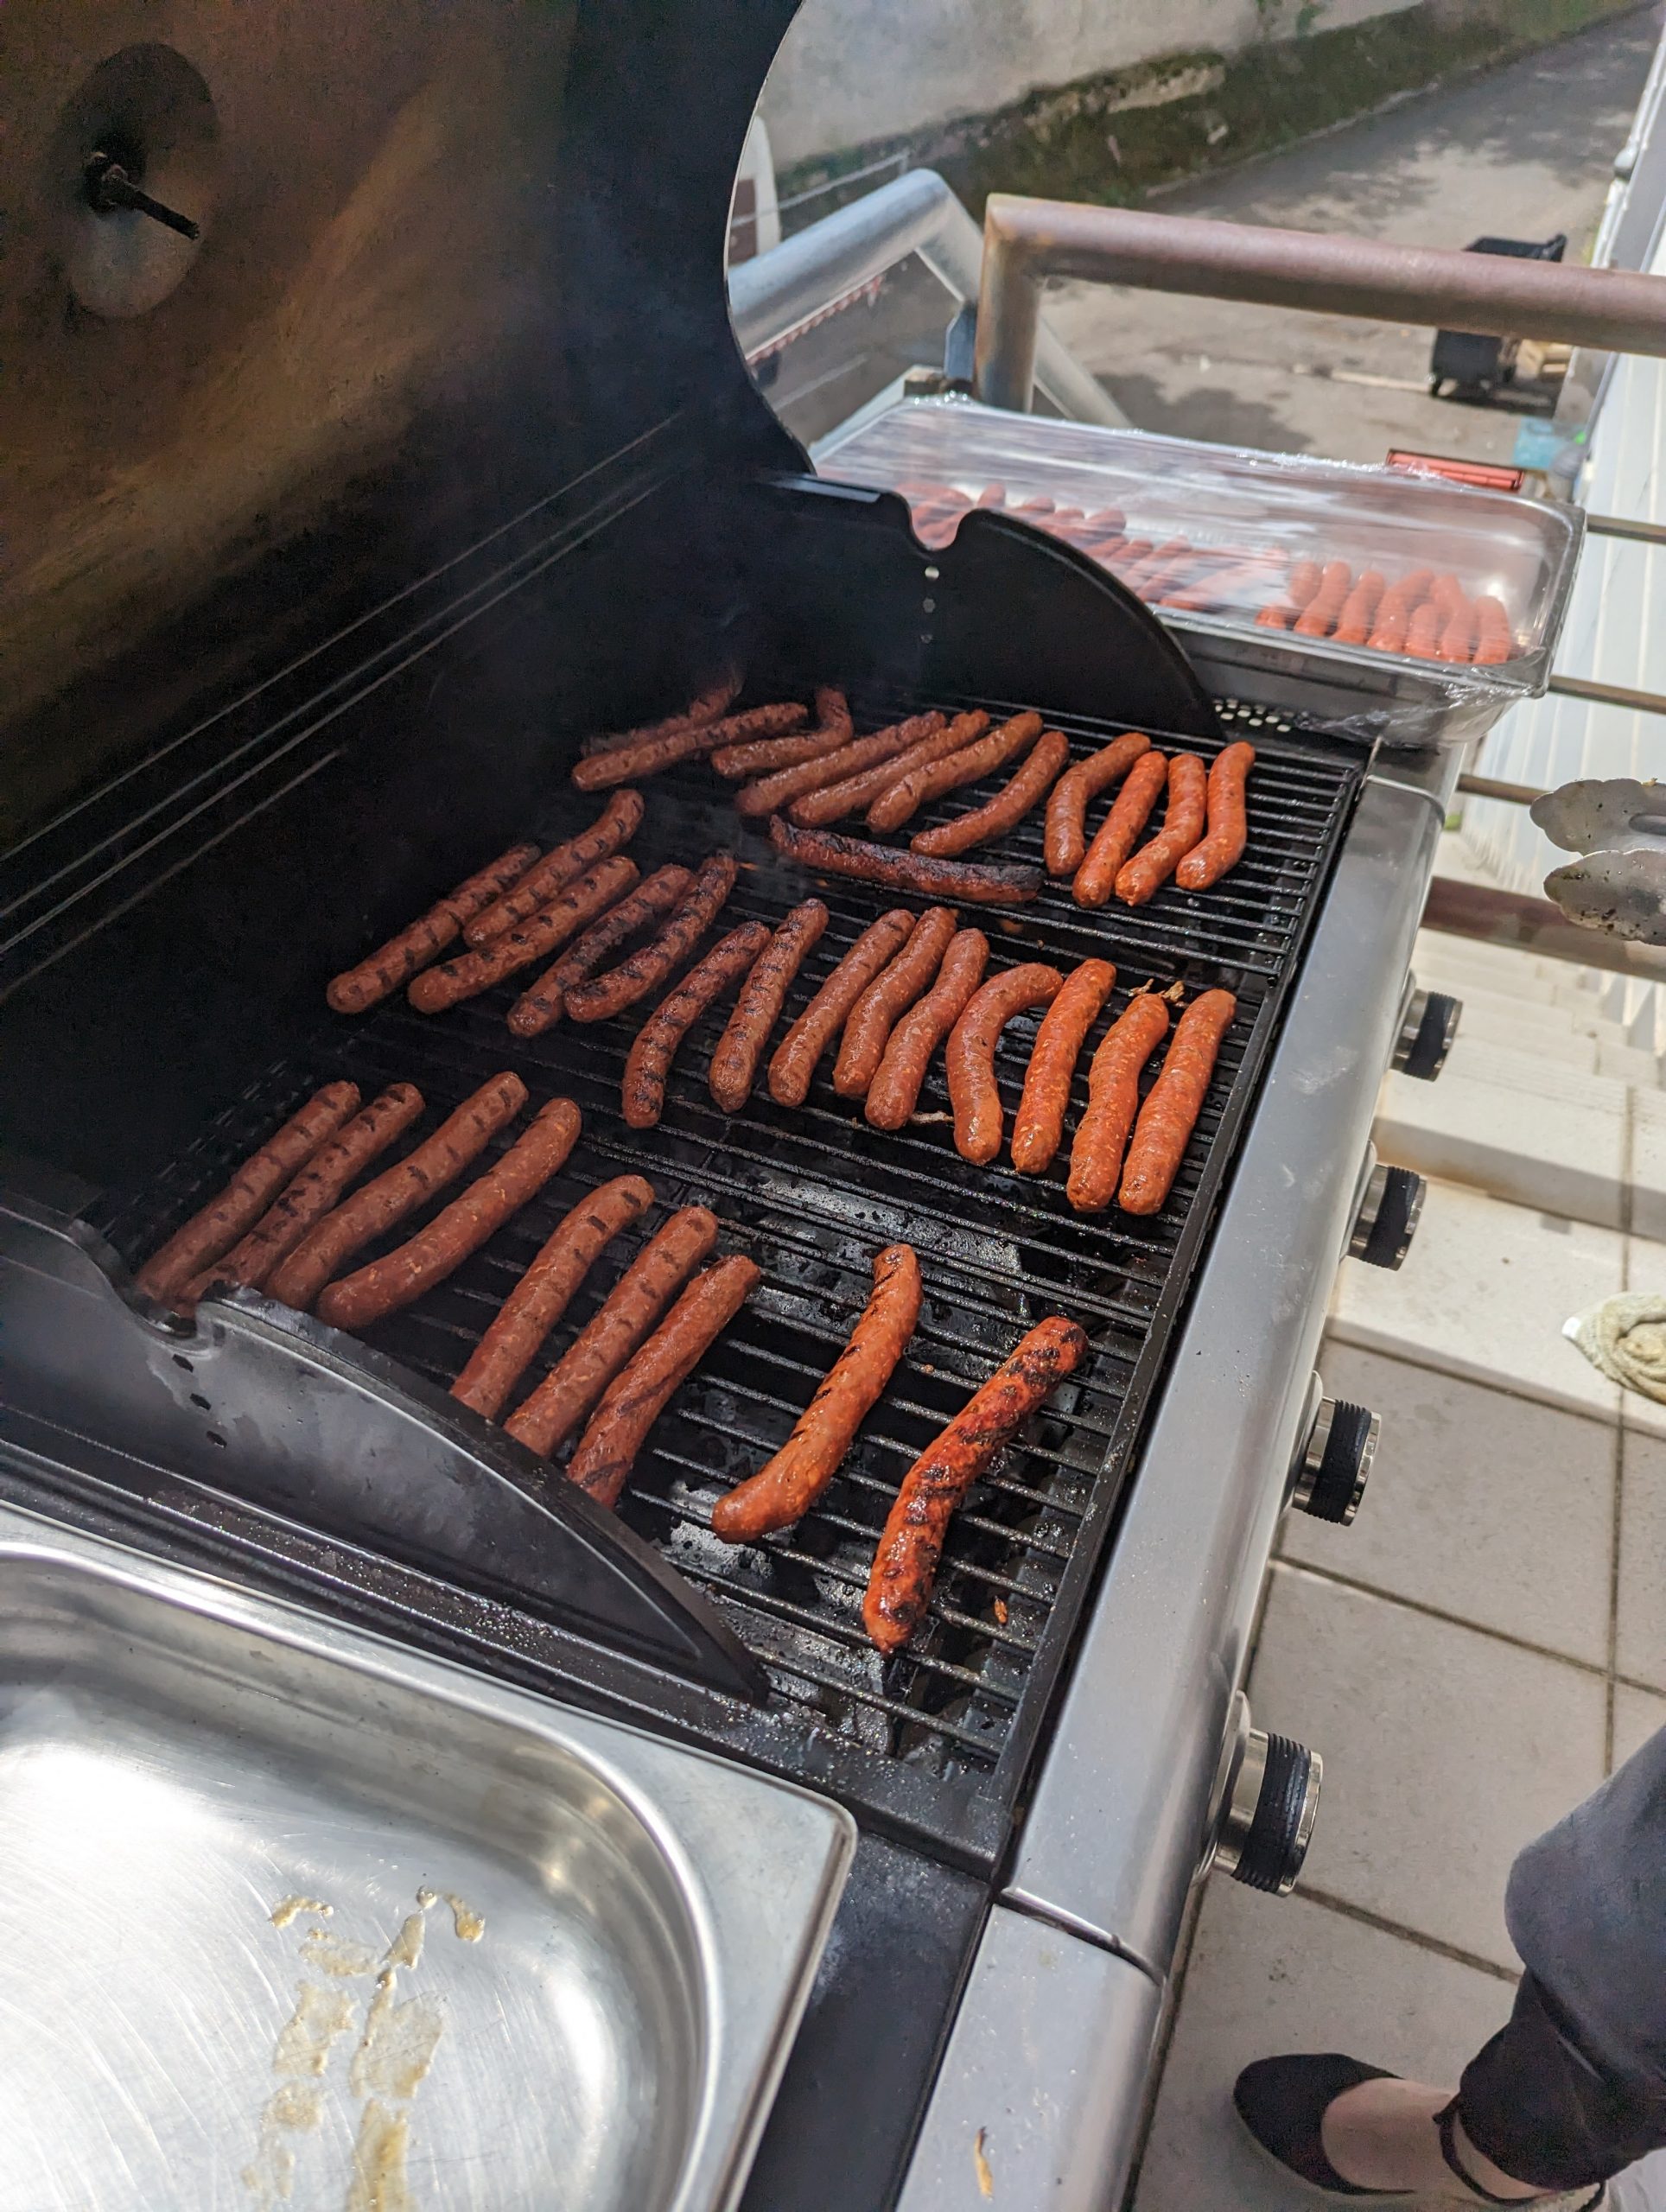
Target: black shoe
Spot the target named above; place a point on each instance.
(1282, 2100)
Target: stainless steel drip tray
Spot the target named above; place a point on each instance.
(290, 1919)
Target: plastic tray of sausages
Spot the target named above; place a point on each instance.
(1422, 590)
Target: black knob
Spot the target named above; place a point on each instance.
(1334, 1470)
(1271, 1806)
(1426, 1034)
(1387, 1217)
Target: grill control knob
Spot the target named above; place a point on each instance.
(1426, 1034)
(1333, 1472)
(1387, 1217)
(1268, 1807)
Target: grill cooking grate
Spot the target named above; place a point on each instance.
(811, 1196)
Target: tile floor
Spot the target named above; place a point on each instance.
(1472, 1657)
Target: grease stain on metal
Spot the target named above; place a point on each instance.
(288, 1909)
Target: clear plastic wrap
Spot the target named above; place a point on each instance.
(1399, 605)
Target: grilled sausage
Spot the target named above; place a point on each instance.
(578, 1378)
(894, 1091)
(648, 1064)
(786, 1486)
(768, 792)
(1115, 838)
(622, 764)
(650, 965)
(543, 1292)
(1354, 623)
(905, 1564)
(225, 1217)
(1228, 831)
(710, 704)
(1458, 635)
(904, 798)
(1423, 633)
(405, 956)
(982, 883)
(1170, 1113)
(539, 1006)
(471, 973)
(1141, 877)
(1065, 838)
(834, 801)
(312, 1194)
(741, 1048)
(1040, 1123)
(761, 755)
(635, 1398)
(613, 827)
(399, 1189)
(1019, 795)
(969, 1055)
(1319, 618)
(1096, 1157)
(889, 996)
(799, 1054)
(439, 1247)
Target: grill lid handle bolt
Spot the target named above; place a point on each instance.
(1426, 1034)
(1269, 1803)
(1335, 1464)
(1387, 1217)
(109, 188)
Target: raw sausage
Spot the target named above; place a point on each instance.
(1141, 877)
(894, 1091)
(834, 801)
(905, 797)
(471, 973)
(1096, 1156)
(799, 1054)
(905, 1564)
(741, 1048)
(1170, 1113)
(403, 955)
(889, 996)
(984, 883)
(833, 728)
(648, 1064)
(539, 1006)
(399, 1189)
(543, 1292)
(650, 965)
(438, 1248)
(615, 826)
(1222, 847)
(621, 763)
(1114, 840)
(969, 1055)
(786, 1486)
(714, 701)
(635, 1398)
(768, 792)
(578, 1378)
(217, 1227)
(1016, 799)
(1064, 837)
(1058, 1041)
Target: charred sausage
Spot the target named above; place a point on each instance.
(1141, 877)
(442, 1245)
(1170, 1113)
(905, 1564)
(578, 1378)
(834, 801)
(648, 1064)
(1223, 846)
(543, 1292)
(982, 883)
(766, 793)
(969, 1055)
(786, 1486)
(741, 1048)
(539, 1006)
(759, 756)
(225, 1217)
(905, 797)
(1058, 1041)
(471, 973)
(405, 956)
(637, 1397)
(1017, 797)
(399, 1189)
(1096, 1157)
(1115, 838)
(707, 707)
(889, 996)
(894, 1091)
(796, 1061)
(613, 828)
(622, 764)
(1066, 834)
(651, 964)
